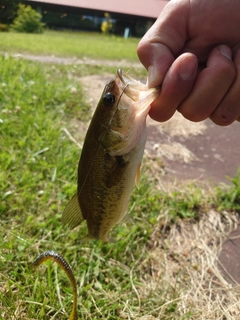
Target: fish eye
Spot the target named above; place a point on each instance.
(109, 99)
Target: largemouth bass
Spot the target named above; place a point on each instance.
(111, 157)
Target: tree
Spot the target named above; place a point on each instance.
(8, 11)
(27, 20)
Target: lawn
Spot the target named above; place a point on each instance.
(149, 272)
(70, 44)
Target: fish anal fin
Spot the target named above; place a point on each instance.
(138, 175)
(72, 215)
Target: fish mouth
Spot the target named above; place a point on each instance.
(128, 85)
(126, 80)
(120, 75)
(140, 95)
(134, 89)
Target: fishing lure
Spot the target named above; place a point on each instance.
(52, 255)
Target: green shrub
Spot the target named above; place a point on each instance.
(228, 197)
(28, 20)
(8, 12)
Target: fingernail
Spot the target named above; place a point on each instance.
(187, 68)
(226, 51)
(151, 76)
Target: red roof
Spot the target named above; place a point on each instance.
(143, 8)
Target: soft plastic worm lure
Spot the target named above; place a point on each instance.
(52, 255)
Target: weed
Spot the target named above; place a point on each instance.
(228, 197)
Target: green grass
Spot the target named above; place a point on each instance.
(70, 44)
(80, 70)
(38, 165)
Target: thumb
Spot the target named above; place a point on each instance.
(164, 40)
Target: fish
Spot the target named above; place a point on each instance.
(111, 157)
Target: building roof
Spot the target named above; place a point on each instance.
(143, 8)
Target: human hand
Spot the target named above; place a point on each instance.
(193, 52)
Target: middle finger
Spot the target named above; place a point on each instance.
(210, 86)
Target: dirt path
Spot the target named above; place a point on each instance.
(66, 60)
(215, 152)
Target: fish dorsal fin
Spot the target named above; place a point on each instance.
(72, 215)
(138, 174)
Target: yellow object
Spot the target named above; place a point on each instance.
(52, 255)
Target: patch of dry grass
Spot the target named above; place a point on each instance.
(184, 260)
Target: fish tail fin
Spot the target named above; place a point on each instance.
(104, 239)
(72, 214)
(86, 238)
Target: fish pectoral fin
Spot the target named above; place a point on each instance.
(72, 214)
(117, 171)
(126, 218)
(138, 175)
